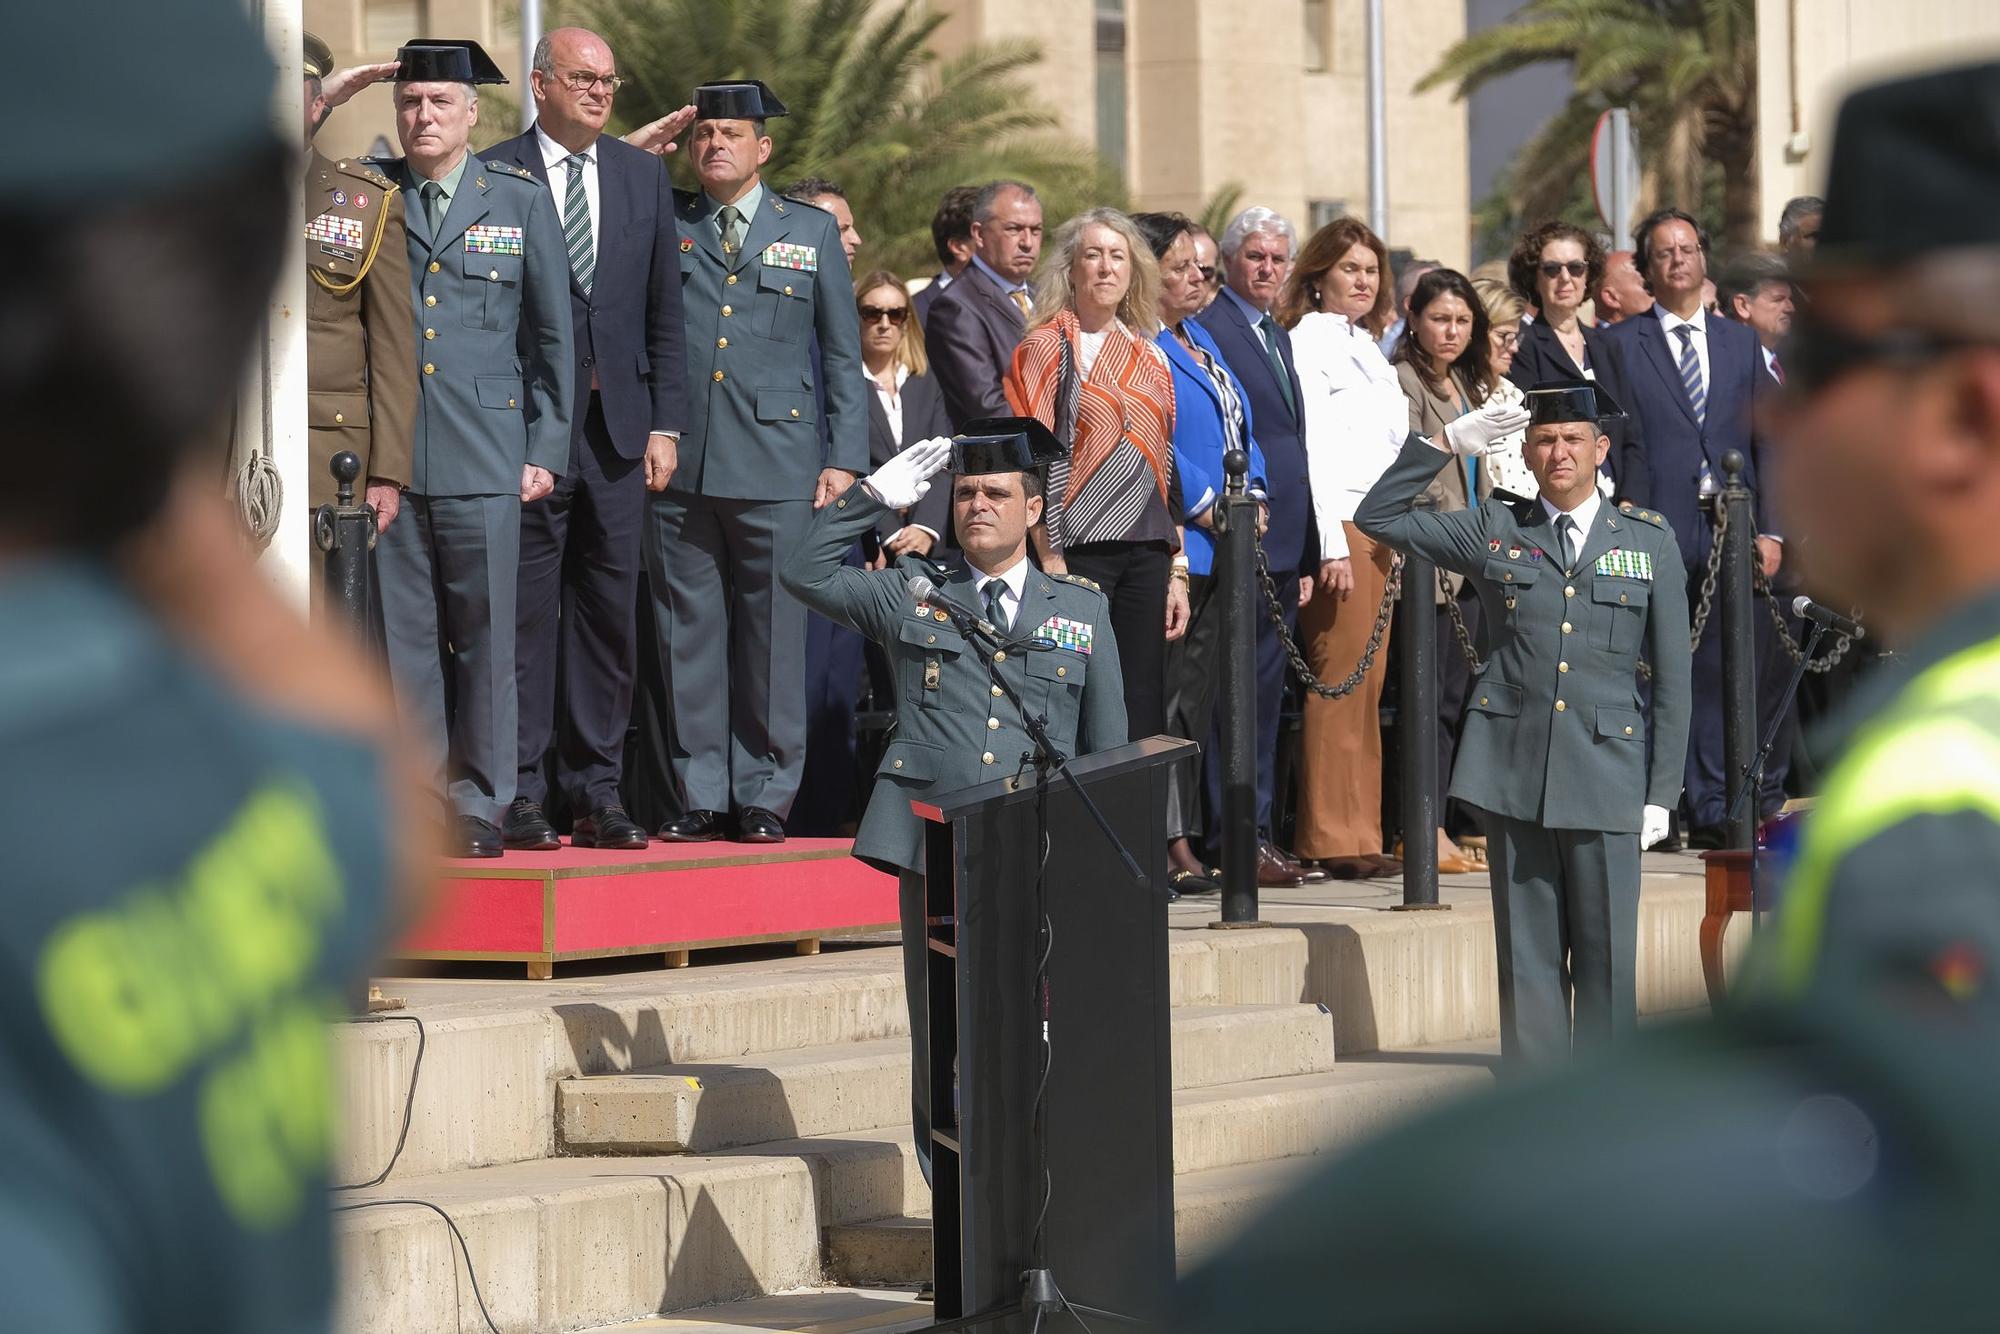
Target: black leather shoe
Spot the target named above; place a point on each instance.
(694, 827)
(754, 824)
(608, 827)
(475, 837)
(528, 830)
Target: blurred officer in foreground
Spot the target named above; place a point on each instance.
(954, 725)
(196, 829)
(491, 281)
(361, 352)
(1822, 1157)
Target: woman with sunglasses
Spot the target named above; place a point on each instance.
(906, 406)
(1554, 268)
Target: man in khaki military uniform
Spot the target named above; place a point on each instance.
(361, 351)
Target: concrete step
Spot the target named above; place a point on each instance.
(816, 1310)
(563, 1244)
(492, 1059)
(828, 1090)
(1209, 1207)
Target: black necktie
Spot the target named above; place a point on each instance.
(996, 610)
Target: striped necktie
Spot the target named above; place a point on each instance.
(1021, 301)
(1697, 392)
(576, 225)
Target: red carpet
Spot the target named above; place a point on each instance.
(542, 908)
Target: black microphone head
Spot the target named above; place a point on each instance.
(921, 588)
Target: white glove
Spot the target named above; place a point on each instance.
(905, 479)
(1652, 826)
(1476, 433)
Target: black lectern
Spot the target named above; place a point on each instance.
(1109, 1226)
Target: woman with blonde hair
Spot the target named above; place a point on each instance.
(1337, 302)
(906, 405)
(1504, 469)
(1089, 370)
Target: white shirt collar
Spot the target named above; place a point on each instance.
(1014, 576)
(553, 153)
(1585, 515)
(1670, 321)
(902, 376)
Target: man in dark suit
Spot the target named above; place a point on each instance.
(1696, 382)
(951, 234)
(975, 323)
(580, 546)
(1256, 255)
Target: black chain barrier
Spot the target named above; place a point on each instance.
(1302, 669)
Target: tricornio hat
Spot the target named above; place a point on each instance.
(1003, 444)
(747, 100)
(446, 60)
(1570, 401)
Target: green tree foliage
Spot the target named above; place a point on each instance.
(1687, 69)
(873, 108)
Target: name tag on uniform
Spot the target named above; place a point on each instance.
(1065, 633)
(483, 240)
(804, 258)
(1626, 564)
(333, 230)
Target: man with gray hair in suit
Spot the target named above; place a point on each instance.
(490, 283)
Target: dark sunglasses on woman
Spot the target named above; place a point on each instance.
(1552, 268)
(893, 314)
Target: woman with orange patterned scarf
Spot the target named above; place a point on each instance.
(1090, 371)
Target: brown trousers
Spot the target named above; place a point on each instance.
(1340, 757)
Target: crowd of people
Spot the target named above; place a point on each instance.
(719, 372)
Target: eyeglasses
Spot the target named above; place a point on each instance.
(582, 81)
(1509, 341)
(1555, 268)
(893, 314)
(1818, 353)
(1208, 274)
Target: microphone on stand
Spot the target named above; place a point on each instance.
(927, 594)
(1807, 609)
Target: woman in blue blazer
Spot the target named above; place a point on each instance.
(1211, 417)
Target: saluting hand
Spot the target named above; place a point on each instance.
(658, 137)
(903, 480)
(536, 483)
(342, 84)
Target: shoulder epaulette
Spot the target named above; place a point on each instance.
(364, 169)
(1654, 517)
(510, 169)
(788, 202)
(1079, 581)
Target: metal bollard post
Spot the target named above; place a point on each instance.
(1236, 567)
(1739, 647)
(1417, 722)
(345, 531)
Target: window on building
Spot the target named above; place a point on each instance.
(1319, 212)
(388, 24)
(1111, 81)
(1319, 36)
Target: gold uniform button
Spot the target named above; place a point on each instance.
(987, 758)
(493, 275)
(938, 615)
(430, 333)
(722, 342)
(1062, 671)
(840, 504)
(731, 280)
(1628, 731)
(726, 312)
(1566, 627)
(997, 692)
(434, 266)
(339, 419)
(1510, 576)
(992, 724)
(899, 764)
(1483, 700)
(1569, 592)
(429, 369)
(1621, 597)
(930, 639)
(1562, 666)
(1000, 656)
(430, 301)
(1560, 706)
(510, 402)
(795, 412)
(718, 377)
(788, 291)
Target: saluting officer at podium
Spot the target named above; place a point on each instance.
(955, 726)
(1555, 744)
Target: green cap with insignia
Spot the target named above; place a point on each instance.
(319, 57)
(1570, 401)
(1003, 444)
(143, 50)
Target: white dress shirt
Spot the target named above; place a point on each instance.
(1356, 419)
(1584, 514)
(1015, 577)
(891, 400)
(1670, 322)
(556, 158)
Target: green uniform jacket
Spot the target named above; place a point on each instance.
(1553, 731)
(753, 418)
(954, 727)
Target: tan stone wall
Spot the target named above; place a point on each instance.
(343, 25)
(1837, 45)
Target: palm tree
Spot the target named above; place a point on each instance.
(873, 108)
(1687, 69)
